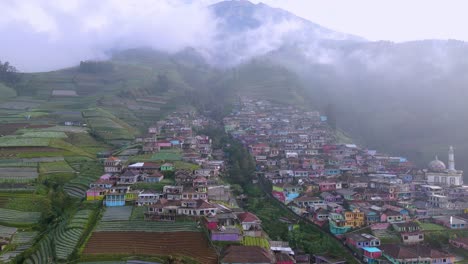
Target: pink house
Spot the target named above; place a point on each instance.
(279, 195)
(95, 194)
(327, 186)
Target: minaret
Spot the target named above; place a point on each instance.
(451, 159)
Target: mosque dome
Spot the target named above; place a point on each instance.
(437, 165)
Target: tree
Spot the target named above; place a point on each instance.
(8, 73)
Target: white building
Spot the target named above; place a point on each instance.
(438, 174)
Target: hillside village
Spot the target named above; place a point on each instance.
(171, 192)
(381, 207)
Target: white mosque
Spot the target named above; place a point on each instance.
(438, 174)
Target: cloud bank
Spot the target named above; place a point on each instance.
(50, 34)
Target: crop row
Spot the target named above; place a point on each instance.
(120, 213)
(44, 253)
(146, 226)
(17, 217)
(89, 172)
(255, 241)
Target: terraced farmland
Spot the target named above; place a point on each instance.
(255, 241)
(67, 237)
(189, 244)
(21, 241)
(89, 172)
(15, 217)
(44, 253)
(18, 174)
(118, 213)
(52, 167)
(146, 226)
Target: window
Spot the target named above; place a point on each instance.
(405, 237)
(420, 236)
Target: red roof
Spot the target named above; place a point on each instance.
(248, 217)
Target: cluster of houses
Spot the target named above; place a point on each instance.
(357, 194)
(197, 194)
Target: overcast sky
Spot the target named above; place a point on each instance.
(49, 34)
(395, 20)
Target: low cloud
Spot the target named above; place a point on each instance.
(46, 35)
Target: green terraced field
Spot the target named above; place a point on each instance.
(146, 226)
(51, 167)
(255, 241)
(89, 172)
(15, 217)
(12, 141)
(44, 134)
(18, 174)
(118, 213)
(67, 236)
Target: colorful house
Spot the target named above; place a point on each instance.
(114, 199)
(279, 195)
(95, 194)
(360, 240)
(337, 224)
(371, 254)
(154, 177)
(250, 222)
(230, 234)
(354, 218)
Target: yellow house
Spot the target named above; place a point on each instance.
(354, 218)
(95, 194)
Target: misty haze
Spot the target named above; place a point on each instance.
(186, 131)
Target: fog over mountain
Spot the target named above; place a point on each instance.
(405, 98)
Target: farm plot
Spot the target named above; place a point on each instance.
(167, 155)
(67, 237)
(18, 105)
(12, 141)
(26, 202)
(53, 167)
(189, 244)
(122, 213)
(17, 174)
(107, 126)
(89, 172)
(44, 134)
(18, 163)
(44, 252)
(21, 241)
(18, 218)
(66, 129)
(255, 241)
(7, 232)
(146, 226)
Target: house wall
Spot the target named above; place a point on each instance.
(94, 196)
(412, 238)
(225, 237)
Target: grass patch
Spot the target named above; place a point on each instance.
(432, 227)
(6, 91)
(167, 155)
(44, 134)
(12, 141)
